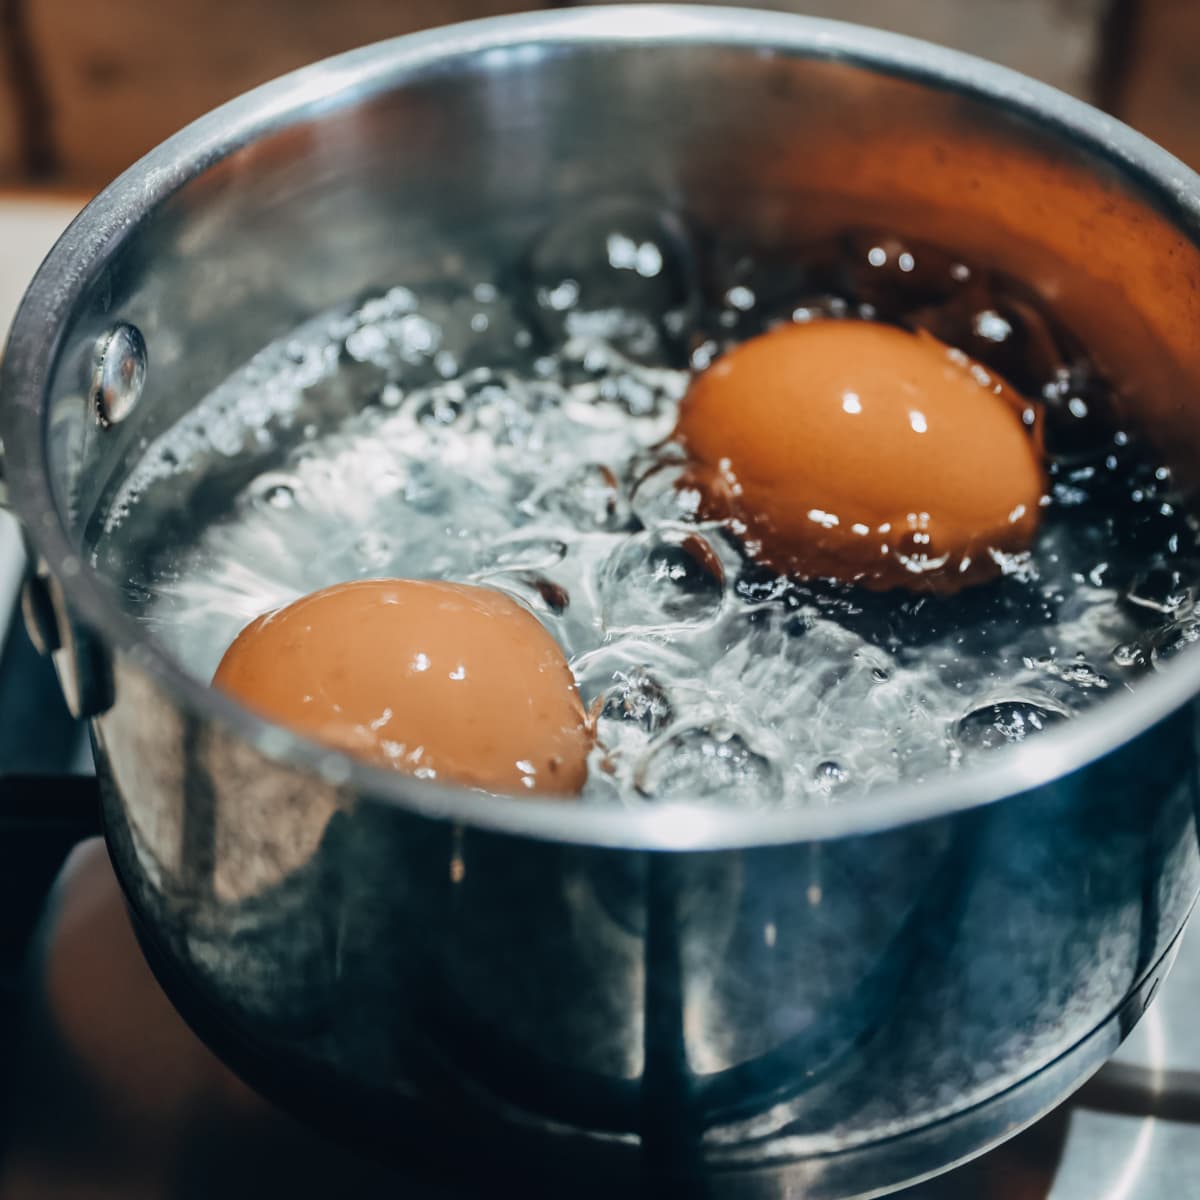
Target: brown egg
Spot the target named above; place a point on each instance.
(865, 453)
(439, 680)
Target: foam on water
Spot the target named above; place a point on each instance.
(512, 438)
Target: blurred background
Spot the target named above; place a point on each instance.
(86, 86)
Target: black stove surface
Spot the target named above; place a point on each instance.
(108, 1093)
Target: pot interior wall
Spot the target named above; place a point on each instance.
(402, 180)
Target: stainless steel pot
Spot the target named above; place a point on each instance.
(827, 1001)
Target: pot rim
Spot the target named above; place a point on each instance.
(354, 76)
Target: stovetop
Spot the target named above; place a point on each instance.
(108, 1094)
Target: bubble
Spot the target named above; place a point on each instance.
(1161, 590)
(600, 376)
(635, 697)
(1080, 414)
(1176, 637)
(890, 273)
(482, 387)
(990, 325)
(1004, 723)
(638, 397)
(711, 763)
(275, 490)
(374, 550)
(746, 293)
(626, 685)
(522, 413)
(1130, 655)
(1077, 671)
(412, 340)
(1083, 675)
(829, 776)
(589, 498)
(439, 407)
(281, 495)
(425, 488)
(522, 553)
(510, 423)
(740, 297)
(666, 495)
(1019, 567)
(440, 334)
(368, 344)
(136, 594)
(661, 580)
(703, 353)
(615, 269)
(828, 308)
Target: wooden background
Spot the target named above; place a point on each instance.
(86, 86)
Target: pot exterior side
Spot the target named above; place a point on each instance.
(752, 1011)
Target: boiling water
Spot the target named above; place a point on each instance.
(513, 437)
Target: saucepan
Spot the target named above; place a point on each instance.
(828, 1000)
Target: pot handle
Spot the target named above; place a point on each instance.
(84, 673)
(83, 670)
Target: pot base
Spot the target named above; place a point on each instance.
(457, 1141)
